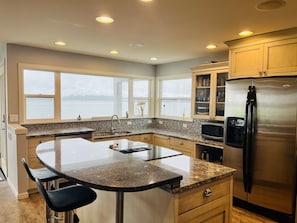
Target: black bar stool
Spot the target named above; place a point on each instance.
(67, 199)
(44, 175)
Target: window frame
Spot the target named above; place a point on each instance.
(159, 98)
(57, 94)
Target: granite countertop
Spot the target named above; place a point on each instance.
(58, 132)
(98, 166)
(101, 135)
(195, 172)
(181, 135)
(95, 164)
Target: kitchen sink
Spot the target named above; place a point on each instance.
(133, 150)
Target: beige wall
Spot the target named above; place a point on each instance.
(184, 67)
(17, 54)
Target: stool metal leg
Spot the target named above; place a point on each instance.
(68, 217)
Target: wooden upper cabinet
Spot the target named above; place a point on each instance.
(208, 100)
(246, 61)
(280, 57)
(273, 54)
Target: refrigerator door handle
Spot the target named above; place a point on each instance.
(253, 120)
(245, 141)
(249, 129)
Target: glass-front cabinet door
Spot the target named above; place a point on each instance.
(202, 106)
(209, 90)
(220, 93)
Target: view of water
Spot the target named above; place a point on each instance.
(43, 108)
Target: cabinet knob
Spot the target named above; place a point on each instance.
(207, 192)
(181, 142)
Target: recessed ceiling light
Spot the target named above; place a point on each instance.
(60, 43)
(104, 19)
(245, 33)
(146, 0)
(114, 52)
(211, 46)
(269, 5)
(153, 58)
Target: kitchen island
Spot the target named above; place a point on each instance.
(154, 191)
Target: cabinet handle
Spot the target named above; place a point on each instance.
(181, 142)
(207, 192)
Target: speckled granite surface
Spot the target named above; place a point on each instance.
(55, 132)
(97, 166)
(94, 164)
(195, 172)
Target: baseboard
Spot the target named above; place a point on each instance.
(18, 196)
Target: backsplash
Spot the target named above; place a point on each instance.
(186, 127)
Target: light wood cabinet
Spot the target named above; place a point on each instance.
(272, 54)
(209, 203)
(187, 147)
(32, 160)
(161, 140)
(208, 101)
(147, 138)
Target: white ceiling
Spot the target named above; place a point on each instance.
(171, 30)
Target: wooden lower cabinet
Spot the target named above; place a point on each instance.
(32, 160)
(161, 140)
(147, 138)
(187, 147)
(210, 203)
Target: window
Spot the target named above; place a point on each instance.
(141, 94)
(175, 97)
(55, 96)
(39, 93)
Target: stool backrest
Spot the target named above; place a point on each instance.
(28, 169)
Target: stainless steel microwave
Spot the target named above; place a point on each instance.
(212, 130)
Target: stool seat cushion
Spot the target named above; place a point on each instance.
(69, 198)
(44, 174)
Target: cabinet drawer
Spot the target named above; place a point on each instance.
(146, 138)
(202, 195)
(181, 143)
(161, 140)
(217, 211)
(35, 141)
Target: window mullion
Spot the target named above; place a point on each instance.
(57, 98)
(130, 97)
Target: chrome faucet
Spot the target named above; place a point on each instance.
(112, 129)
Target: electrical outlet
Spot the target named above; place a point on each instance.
(129, 123)
(185, 125)
(161, 122)
(149, 121)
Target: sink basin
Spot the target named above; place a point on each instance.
(133, 150)
(101, 134)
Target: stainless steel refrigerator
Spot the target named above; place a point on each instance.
(260, 141)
